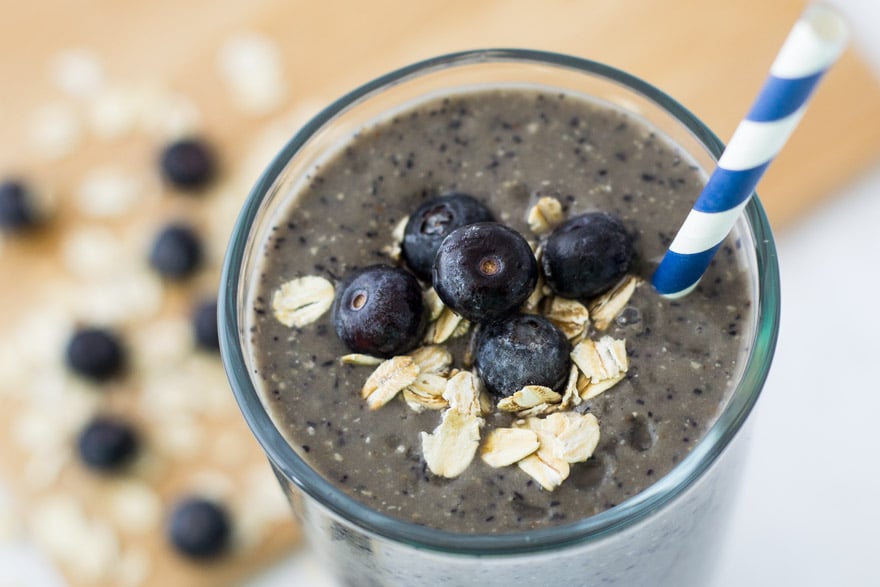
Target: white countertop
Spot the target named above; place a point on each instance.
(808, 512)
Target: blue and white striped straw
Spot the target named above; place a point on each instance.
(814, 44)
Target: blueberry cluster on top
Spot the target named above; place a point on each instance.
(484, 271)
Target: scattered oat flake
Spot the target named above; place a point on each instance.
(419, 401)
(102, 546)
(545, 215)
(433, 303)
(532, 303)
(260, 506)
(55, 130)
(108, 192)
(541, 409)
(429, 385)
(575, 435)
(77, 72)
(251, 66)
(432, 359)
(426, 392)
(214, 484)
(565, 438)
(571, 395)
(463, 392)
(446, 326)
(607, 306)
(135, 506)
(570, 316)
(302, 301)
(360, 359)
(55, 523)
(389, 379)
(463, 328)
(505, 446)
(113, 113)
(451, 447)
(529, 397)
(123, 296)
(549, 472)
(43, 472)
(59, 524)
(601, 360)
(589, 390)
(92, 252)
(168, 115)
(394, 249)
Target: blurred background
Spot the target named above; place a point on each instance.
(95, 92)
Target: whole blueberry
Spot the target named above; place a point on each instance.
(199, 528)
(188, 163)
(379, 310)
(520, 350)
(107, 444)
(176, 252)
(96, 353)
(204, 322)
(432, 222)
(586, 255)
(485, 270)
(17, 210)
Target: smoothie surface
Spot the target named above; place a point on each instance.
(506, 147)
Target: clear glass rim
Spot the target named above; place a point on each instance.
(288, 463)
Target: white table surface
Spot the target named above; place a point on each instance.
(808, 512)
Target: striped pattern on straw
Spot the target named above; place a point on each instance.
(814, 44)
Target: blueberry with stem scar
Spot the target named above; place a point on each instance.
(485, 270)
(432, 222)
(379, 311)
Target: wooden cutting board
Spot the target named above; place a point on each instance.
(711, 56)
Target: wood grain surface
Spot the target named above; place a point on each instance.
(711, 56)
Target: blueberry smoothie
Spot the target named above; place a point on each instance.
(521, 165)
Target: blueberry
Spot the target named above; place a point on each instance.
(107, 444)
(522, 350)
(204, 322)
(188, 163)
(586, 255)
(176, 252)
(432, 222)
(379, 311)
(17, 210)
(485, 270)
(199, 528)
(95, 353)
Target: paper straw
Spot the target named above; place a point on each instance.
(814, 44)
